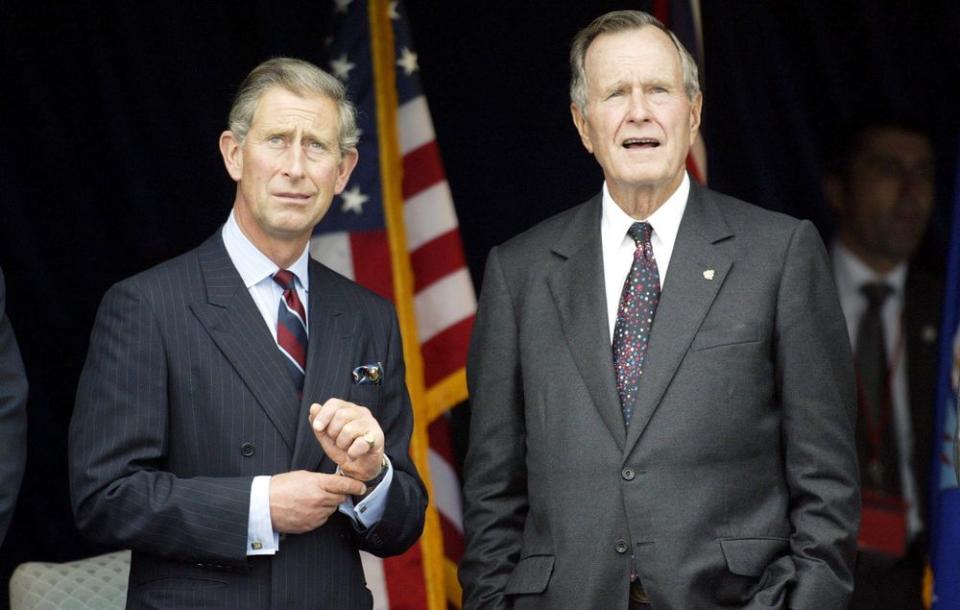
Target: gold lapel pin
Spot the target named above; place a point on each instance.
(708, 274)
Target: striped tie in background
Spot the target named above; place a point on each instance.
(395, 231)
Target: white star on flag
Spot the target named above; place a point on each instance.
(408, 61)
(353, 200)
(342, 66)
(343, 5)
(392, 10)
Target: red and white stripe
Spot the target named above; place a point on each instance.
(444, 303)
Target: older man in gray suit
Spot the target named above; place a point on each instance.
(242, 421)
(663, 398)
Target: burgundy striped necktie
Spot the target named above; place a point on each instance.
(291, 327)
(638, 304)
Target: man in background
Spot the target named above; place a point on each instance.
(13, 417)
(881, 186)
(242, 421)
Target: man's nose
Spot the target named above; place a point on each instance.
(639, 108)
(294, 162)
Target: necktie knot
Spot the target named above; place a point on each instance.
(286, 279)
(876, 294)
(640, 233)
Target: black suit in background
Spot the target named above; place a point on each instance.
(184, 399)
(13, 417)
(923, 307)
(899, 585)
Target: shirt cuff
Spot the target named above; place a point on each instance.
(369, 510)
(261, 539)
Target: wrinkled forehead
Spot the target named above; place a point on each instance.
(279, 106)
(646, 49)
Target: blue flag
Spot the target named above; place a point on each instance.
(945, 500)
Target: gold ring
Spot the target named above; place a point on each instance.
(367, 437)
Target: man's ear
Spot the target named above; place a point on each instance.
(581, 122)
(347, 162)
(696, 108)
(232, 154)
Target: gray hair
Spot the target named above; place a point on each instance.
(299, 77)
(619, 21)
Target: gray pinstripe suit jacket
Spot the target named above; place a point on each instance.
(184, 398)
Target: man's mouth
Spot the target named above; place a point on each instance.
(634, 143)
(298, 196)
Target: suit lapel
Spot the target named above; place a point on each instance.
(578, 291)
(329, 356)
(235, 325)
(696, 273)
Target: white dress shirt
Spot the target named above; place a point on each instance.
(850, 274)
(618, 247)
(256, 271)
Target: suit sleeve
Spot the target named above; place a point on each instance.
(406, 501)
(13, 417)
(495, 489)
(118, 440)
(816, 386)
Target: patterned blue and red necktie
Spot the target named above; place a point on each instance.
(291, 327)
(638, 304)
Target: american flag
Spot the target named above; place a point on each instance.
(394, 230)
(943, 579)
(684, 19)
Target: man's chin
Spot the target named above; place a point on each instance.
(295, 222)
(291, 231)
(652, 178)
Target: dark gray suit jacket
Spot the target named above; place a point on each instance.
(13, 417)
(184, 399)
(736, 485)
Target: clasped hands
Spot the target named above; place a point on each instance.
(301, 501)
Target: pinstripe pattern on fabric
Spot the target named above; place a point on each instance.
(182, 380)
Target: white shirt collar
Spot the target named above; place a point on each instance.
(665, 220)
(851, 273)
(618, 248)
(252, 264)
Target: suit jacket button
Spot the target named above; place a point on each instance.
(628, 474)
(621, 546)
(247, 450)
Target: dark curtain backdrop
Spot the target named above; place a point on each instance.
(111, 113)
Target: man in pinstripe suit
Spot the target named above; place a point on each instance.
(240, 475)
